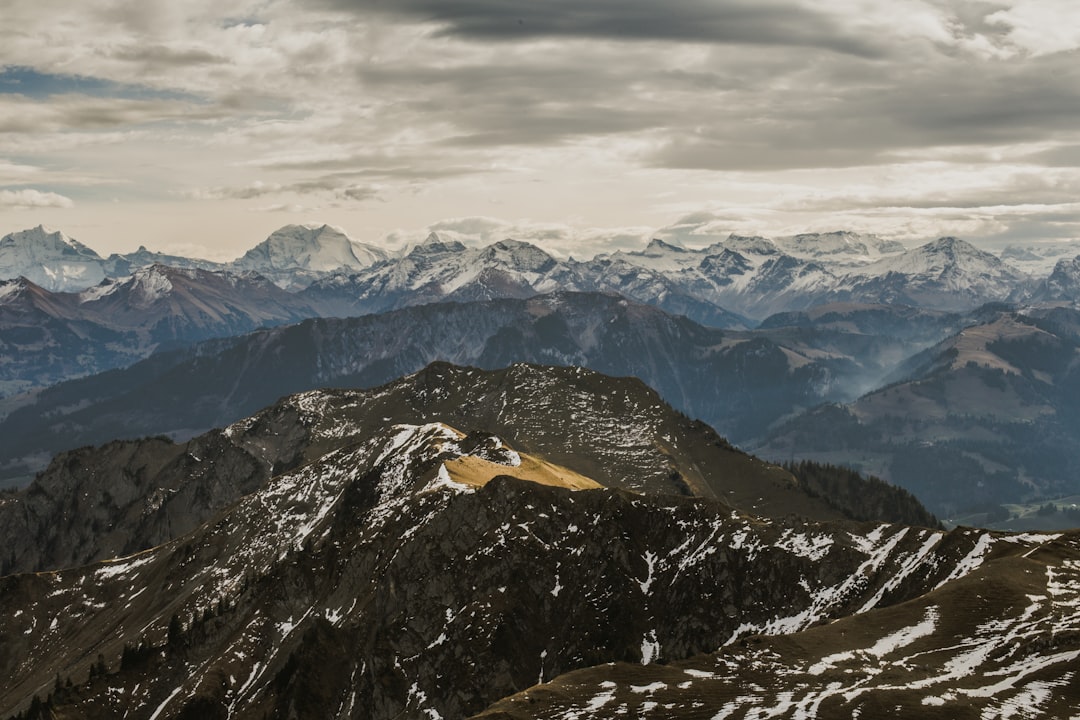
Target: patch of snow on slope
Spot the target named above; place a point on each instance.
(902, 638)
(972, 560)
(812, 547)
(650, 648)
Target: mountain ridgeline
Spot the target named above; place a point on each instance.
(95, 503)
(989, 415)
(451, 543)
(739, 382)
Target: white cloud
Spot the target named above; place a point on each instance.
(619, 115)
(1042, 27)
(29, 199)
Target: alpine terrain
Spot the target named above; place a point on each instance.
(462, 542)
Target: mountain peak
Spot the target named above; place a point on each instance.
(310, 248)
(47, 239)
(753, 244)
(50, 259)
(435, 245)
(657, 246)
(951, 244)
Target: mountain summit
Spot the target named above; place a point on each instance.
(295, 250)
(50, 259)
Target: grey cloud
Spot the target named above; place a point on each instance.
(28, 198)
(830, 123)
(332, 186)
(167, 56)
(372, 166)
(1011, 194)
(700, 21)
(80, 112)
(1036, 227)
(1061, 156)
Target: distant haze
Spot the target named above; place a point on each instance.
(198, 128)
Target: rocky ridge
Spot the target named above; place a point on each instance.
(371, 577)
(95, 503)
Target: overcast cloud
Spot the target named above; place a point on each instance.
(582, 125)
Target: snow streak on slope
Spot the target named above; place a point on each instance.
(997, 643)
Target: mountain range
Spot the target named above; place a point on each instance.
(47, 337)
(328, 481)
(985, 415)
(291, 256)
(849, 315)
(736, 282)
(740, 382)
(531, 542)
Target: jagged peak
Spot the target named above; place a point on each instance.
(433, 245)
(9, 289)
(950, 243)
(755, 244)
(657, 246)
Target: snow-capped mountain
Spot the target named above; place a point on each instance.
(438, 270)
(945, 274)
(48, 337)
(1062, 285)
(120, 265)
(294, 255)
(50, 260)
(385, 567)
(720, 285)
(1039, 259)
(163, 299)
(841, 246)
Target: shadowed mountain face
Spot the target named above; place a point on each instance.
(737, 382)
(383, 569)
(985, 417)
(48, 337)
(998, 642)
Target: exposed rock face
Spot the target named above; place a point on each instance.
(92, 504)
(998, 641)
(373, 580)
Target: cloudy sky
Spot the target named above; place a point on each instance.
(584, 125)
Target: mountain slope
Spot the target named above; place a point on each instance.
(295, 255)
(438, 270)
(739, 383)
(1062, 285)
(988, 416)
(1000, 642)
(45, 338)
(51, 260)
(367, 581)
(48, 337)
(946, 274)
(94, 503)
